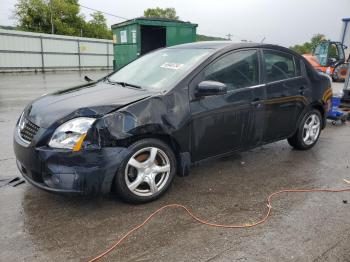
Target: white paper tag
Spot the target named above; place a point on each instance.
(172, 66)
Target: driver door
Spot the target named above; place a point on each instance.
(223, 123)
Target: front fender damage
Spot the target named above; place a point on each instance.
(153, 116)
(158, 117)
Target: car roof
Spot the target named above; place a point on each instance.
(205, 45)
(229, 45)
(215, 45)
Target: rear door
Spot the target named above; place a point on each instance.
(286, 92)
(227, 122)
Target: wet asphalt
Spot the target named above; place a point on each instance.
(39, 226)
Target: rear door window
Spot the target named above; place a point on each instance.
(279, 65)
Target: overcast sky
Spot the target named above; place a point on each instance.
(284, 22)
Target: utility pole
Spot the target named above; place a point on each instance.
(229, 36)
(51, 19)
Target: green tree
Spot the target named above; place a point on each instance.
(97, 27)
(36, 15)
(32, 15)
(209, 38)
(308, 47)
(169, 13)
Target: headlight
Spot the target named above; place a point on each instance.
(71, 134)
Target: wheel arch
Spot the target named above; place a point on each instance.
(295, 140)
(183, 159)
(167, 139)
(316, 105)
(321, 108)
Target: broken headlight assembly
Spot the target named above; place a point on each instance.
(71, 134)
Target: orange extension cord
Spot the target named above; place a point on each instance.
(202, 221)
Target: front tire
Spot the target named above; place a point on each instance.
(146, 172)
(308, 132)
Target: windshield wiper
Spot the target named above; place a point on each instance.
(127, 84)
(124, 84)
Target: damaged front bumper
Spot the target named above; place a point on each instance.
(85, 172)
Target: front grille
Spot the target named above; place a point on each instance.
(27, 130)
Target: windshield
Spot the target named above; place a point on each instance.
(321, 52)
(160, 70)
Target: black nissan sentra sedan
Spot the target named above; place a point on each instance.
(134, 130)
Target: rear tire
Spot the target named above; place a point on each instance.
(308, 132)
(146, 172)
(339, 73)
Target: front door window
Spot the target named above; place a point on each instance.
(236, 70)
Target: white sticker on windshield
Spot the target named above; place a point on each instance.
(172, 66)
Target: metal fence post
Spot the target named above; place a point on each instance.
(107, 55)
(79, 54)
(42, 54)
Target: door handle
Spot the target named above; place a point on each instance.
(302, 90)
(256, 102)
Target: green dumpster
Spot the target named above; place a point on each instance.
(138, 36)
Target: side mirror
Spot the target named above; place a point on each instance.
(210, 88)
(88, 79)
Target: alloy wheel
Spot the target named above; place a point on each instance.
(147, 171)
(311, 130)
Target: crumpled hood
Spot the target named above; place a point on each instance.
(92, 100)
